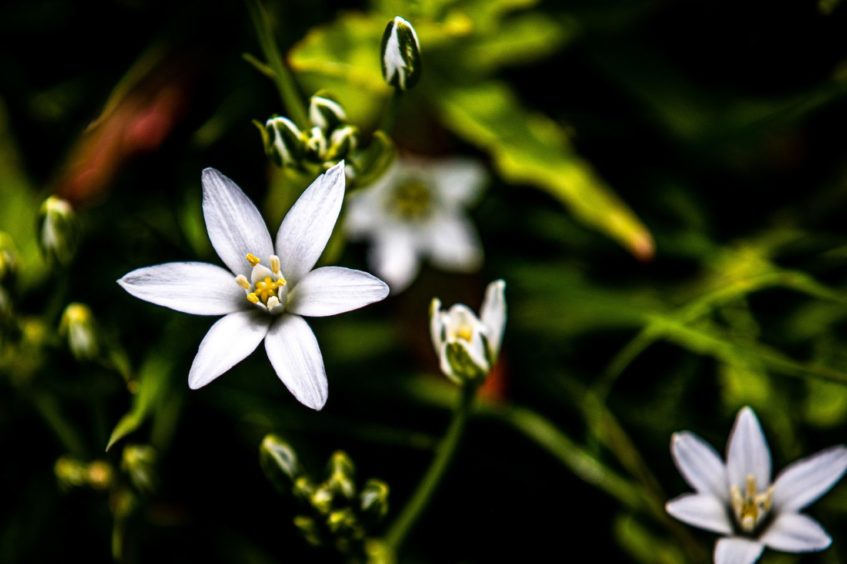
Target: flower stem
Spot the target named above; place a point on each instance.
(417, 504)
(281, 75)
(389, 117)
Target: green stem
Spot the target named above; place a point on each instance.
(416, 505)
(281, 75)
(389, 118)
(49, 411)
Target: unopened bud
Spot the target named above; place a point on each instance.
(341, 142)
(73, 473)
(373, 499)
(342, 475)
(138, 462)
(57, 230)
(326, 113)
(401, 54)
(99, 475)
(8, 258)
(463, 368)
(309, 529)
(322, 498)
(343, 522)
(315, 144)
(279, 461)
(284, 141)
(78, 327)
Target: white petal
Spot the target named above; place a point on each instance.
(793, 532)
(308, 225)
(701, 510)
(737, 550)
(332, 289)
(493, 314)
(394, 257)
(229, 341)
(366, 212)
(458, 181)
(296, 358)
(234, 224)
(436, 325)
(700, 465)
(454, 244)
(191, 287)
(806, 480)
(748, 452)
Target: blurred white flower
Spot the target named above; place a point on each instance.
(467, 346)
(738, 499)
(262, 301)
(417, 209)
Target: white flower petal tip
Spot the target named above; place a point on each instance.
(264, 286)
(418, 210)
(757, 512)
(493, 315)
(737, 550)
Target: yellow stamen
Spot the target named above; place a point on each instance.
(242, 281)
(252, 259)
(465, 333)
(252, 298)
(275, 264)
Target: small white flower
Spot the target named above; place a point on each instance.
(467, 346)
(417, 209)
(262, 301)
(738, 499)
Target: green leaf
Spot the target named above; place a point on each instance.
(152, 386)
(529, 148)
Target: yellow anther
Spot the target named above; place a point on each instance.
(252, 298)
(465, 333)
(242, 281)
(252, 259)
(276, 267)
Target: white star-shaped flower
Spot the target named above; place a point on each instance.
(738, 499)
(467, 346)
(268, 288)
(417, 209)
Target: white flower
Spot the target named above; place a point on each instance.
(417, 209)
(263, 295)
(467, 346)
(738, 499)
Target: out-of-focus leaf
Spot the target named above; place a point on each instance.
(152, 385)
(643, 545)
(531, 149)
(744, 383)
(18, 207)
(826, 403)
(520, 39)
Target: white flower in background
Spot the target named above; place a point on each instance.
(268, 288)
(417, 209)
(467, 346)
(738, 499)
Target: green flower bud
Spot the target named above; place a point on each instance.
(8, 258)
(77, 326)
(326, 113)
(463, 367)
(58, 230)
(315, 145)
(341, 142)
(342, 475)
(138, 461)
(373, 499)
(343, 523)
(401, 54)
(309, 529)
(285, 143)
(279, 461)
(73, 473)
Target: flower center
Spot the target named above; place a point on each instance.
(750, 506)
(266, 286)
(411, 200)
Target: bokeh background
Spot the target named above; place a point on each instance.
(666, 203)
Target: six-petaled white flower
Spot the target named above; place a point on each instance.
(738, 499)
(268, 288)
(467, 346)
(417, 209)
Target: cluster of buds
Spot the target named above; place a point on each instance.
(328, 139)
(334, 513)
(467, 346)
(73, 473)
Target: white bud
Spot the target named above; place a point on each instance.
(401, 54)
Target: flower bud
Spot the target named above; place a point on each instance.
(77, 326)
(58, 230)
(401, 54)
(309, 529)
(314, 142)
(341, 142)
(373, 499)
(8, 258)
(342, 475)
(279, 461)
(343, 522)
(73, 473)
(284, 141)
(326, 113)
(138, 461)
